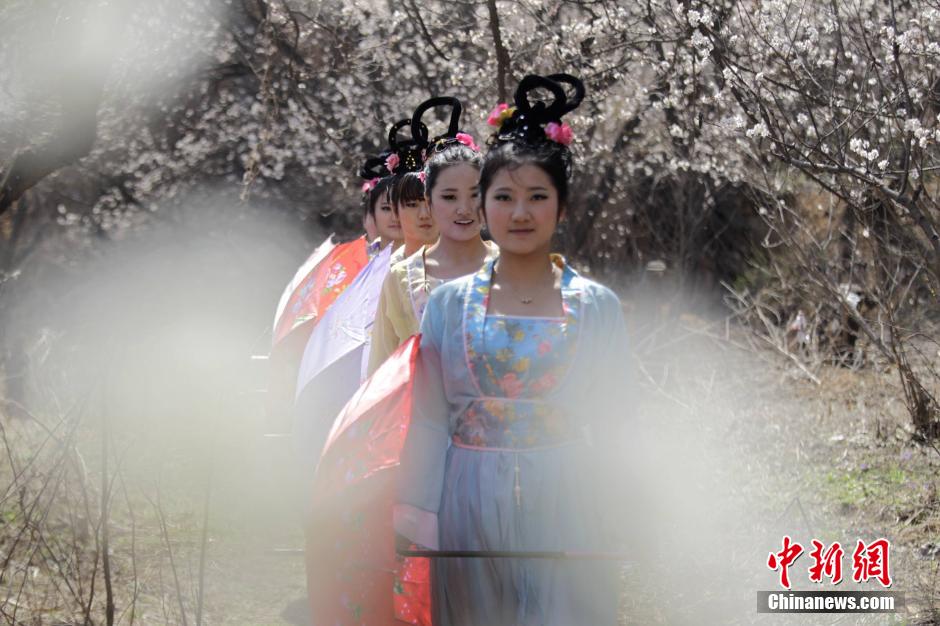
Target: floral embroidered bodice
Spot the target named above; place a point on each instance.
(516, 361)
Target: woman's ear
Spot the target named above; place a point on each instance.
(562, 212)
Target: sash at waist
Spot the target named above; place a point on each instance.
(515, 424)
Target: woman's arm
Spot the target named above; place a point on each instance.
(384, 338)
(613, 427)
(421, 473)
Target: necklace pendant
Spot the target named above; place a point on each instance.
(525, 300)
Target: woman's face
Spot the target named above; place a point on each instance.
(455, 202)
(417, 224)
(387, 224)
(522, 209)
(368, 224)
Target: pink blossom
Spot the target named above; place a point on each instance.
(423, 176)
(467, 140)
(545, 383)
(496, 115)
(369, 185)
(392, 162)
(511, 385)
(559, 133)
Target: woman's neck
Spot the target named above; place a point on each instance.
(458, 253)
(524, 269)
(412, 246)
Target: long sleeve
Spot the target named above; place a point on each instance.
(615, 434)
(421, 474)
(384, 338)
(616, 376)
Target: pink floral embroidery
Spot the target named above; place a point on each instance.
(559, 133)
(336, 276)
(545, 347)
(511, 385)
(392, 162)
(467, 140)
(544, 383)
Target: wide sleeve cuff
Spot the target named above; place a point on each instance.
(417, 525)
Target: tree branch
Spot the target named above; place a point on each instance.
(502, 55)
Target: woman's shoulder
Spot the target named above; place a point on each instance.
(594, 291)
(400, 266)
(598, 298)
(401, 273)
(450, 294)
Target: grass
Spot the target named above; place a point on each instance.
(877, 485)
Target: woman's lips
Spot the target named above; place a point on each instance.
(464, 222)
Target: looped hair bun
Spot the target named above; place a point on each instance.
(452, 136)
(534, 123)
(401, 156)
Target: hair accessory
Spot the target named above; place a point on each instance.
(468, 141)
(370, 184)
(500, 113)
(534, 123)
(559, 133)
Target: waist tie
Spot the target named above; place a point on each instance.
(517, 485)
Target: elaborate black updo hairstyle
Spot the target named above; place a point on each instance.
(449, 148)
(383, 173)
(408, 185)
(534, 134)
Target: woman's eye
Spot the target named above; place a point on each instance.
(501, 197)
(385, 208)
(449, 197)
(539, 196)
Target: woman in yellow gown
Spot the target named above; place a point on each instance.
(449, 185)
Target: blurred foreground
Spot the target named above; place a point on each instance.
(143, 389)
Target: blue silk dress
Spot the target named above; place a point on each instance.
(503, 454)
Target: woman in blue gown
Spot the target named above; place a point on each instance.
(519, 402)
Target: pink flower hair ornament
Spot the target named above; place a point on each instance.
(369, 185)
(423, 176)
(500, 113)
(468, 141)
(559, 133)
(391, 162)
